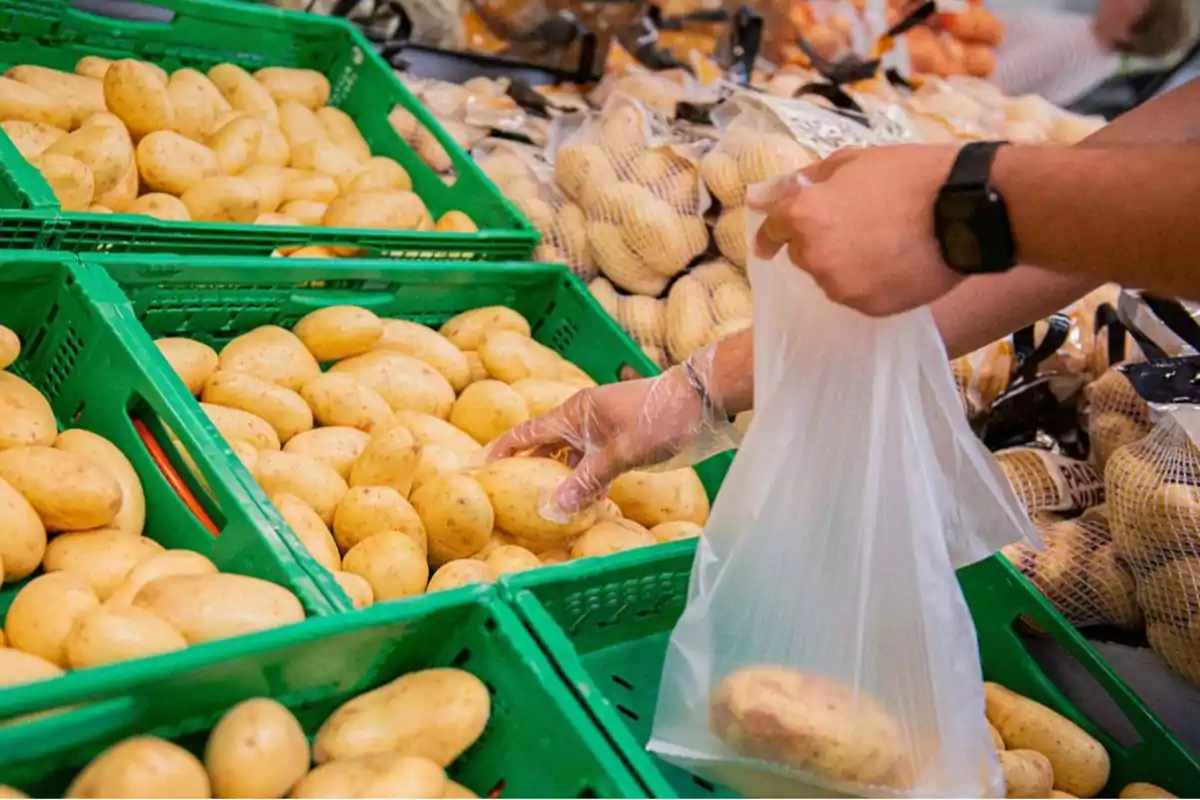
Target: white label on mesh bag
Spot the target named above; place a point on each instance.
(1046, 481)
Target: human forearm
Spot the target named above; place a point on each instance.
(730, 367)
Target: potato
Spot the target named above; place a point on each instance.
(380, 173)
(551, 557)
(611, 536)
(326, 158)
(108, 634)
(516, 488)
(171, 163)
(341, 130)
(39, 473)
(135, 93)
(244, 93)
(1080, 763)
(160, 206)
(102, 557)
(488, 409)
(306, 212)
(457, 516)
(125, 192)
(652, 498)
(299, 125)
(273, 354)
(309, 529)
(270, 181)
(106, 151)
(433, 713)
(273, 148)
(391, 562)
(542, 396)
(196, 103)
(258, 749)
(22, 103)
(469, 329)
(242, 426)
(142, 766)
(356, 588)
(132, 516)
(369, 510)
(311, 480)
(338, 332)
(1055, 793)
(236, 144)
(389, 459)
(475, 363)
(436, 461)
(305, 86)
(673, 531)
(997, 739)
(337, 446)
(224, 199)
(511, 558)
(461, 572)
(168, 562)
(18, 667)
(28, 418)
(406, 383)
(31, 138)
(340, 400)
(205, 608)
(1144, 790)
(455, 222)
(311, 188)
(284, 410)
(22, 535)
(509, 356)
(390, 209)
(1027, 773)
(430, 430)
(457, 790)
(194, 362)
(808, 722)
(92, 67)
(43, 612)
(412, 339)
(70, 179)
(379, 775)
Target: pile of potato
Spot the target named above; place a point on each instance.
(377, 463)
(227, 146)
(393, 741)
(73, 506)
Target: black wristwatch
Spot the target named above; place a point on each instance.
(970, 218)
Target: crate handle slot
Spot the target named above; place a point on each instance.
(173, 478)
(127, 10)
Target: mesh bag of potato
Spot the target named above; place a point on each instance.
(826, 646)
(641, 195)
(524, 178)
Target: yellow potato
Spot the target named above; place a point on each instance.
(236, 144)
(311, 480)
(337, 446)
(430, 430)
(511, 558)
(190, 93)
(461, 572)
(209, 91)
(305, 86)
(205, 608)
(326, 158)
(554, 557)
(469, 329)
(338, 332)
(611, 536)
(391, 209)
(19, 102)
(103, 557)
(22, 535)
(509, 357)
(341, 130)
(108, 634)
(455, 222)
(106, 151)
(340, 400)
(437, 461)
(43, 612)
(17, 667)
(31, 138)
(258, 749)
(194, 362)
(997, 739)
(70, 179)
(488, 409)
(270, 181)
(391, 562)
(356, 588)
(312, 532)
(413, 339)
(1144, 790)
(168, 562)
(475, 364)
(224, 199)
(406, 383)
(137, 95)
(40, 473)
(434, 713)
(284, 410)
(92, 67)
(160, 206)
(299, 124)
(244, 93)
(309, 187)
(457, 516)
(457, 790)
(132, 516)
(171, 163)
(379, 775)
(517, 487)
(652, 498)
(389, 459)
(542, 396)
(124, 193)
(242, 426)
(273, 354)
(27, 419)
(1027, 773)
(306, 212)
(369, 510)
(273, 148)
(142, 766)
(82, 96)
(379, 174)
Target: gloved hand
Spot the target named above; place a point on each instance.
(667, 422)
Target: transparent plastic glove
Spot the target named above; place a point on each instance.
(667, 422)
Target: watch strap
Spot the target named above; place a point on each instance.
(973, 166)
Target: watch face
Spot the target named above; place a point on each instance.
(973, 230)
(962, 248)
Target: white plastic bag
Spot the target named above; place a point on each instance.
(825, 633)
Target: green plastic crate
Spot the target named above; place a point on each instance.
(606, 622)
(215, 299)
(201, 34)
(539, 741)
